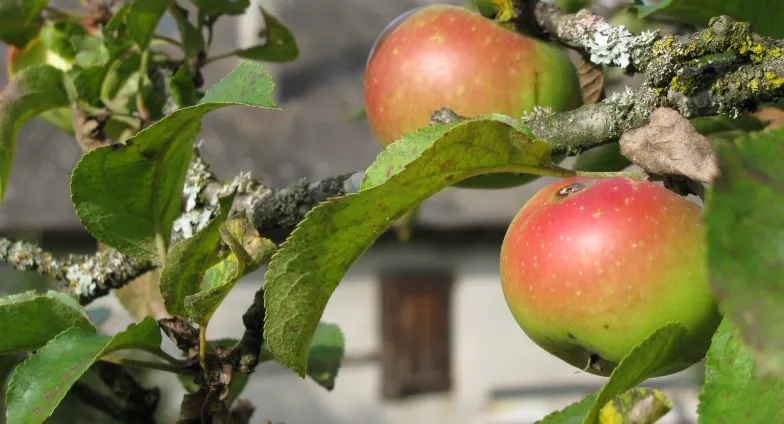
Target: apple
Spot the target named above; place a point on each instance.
(591, 267)
(445, 56)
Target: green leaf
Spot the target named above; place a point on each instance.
(190, 36)
(188, 382)
(90, 51)
(248, 252)
(127, 196)
(326, 354)
(605, 158)
(244, 240)
(42, 381)
(279, 45)
(142, 19)
(400, 153)
(32, 91)
(306, 270)
(643, 361)
(182, 89)
(44, 316)
(707, 125)
(189, 259)
(58, 37)
(744, 215)
(572, 414)
(237, 384)
(88, 83)
(118, 19)
(733, 391)
(216, 8)
(765, 18)
(19, 20)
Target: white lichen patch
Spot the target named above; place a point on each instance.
(611, 45)
(192, 221)
(538, 112)
(623, 98)
(81, 277)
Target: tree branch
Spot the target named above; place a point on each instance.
(87, 277)
(722, 69)
(245, 354)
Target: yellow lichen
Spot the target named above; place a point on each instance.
(707, 35)
(772, 81)
(682, 83)
(664, 45)
(757, 53)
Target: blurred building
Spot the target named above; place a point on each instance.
(474, 366)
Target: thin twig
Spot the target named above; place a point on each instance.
(136, 363)
(140, 402)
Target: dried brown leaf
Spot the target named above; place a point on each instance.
(670, 145)
(141, 297)
(591, 80)
(180, 332)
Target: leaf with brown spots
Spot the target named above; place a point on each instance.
(306, 270)
(142, 296)
(43, 379)
(734, 392)
(249, 252)
(745, 229)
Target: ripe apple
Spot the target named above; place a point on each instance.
(590, 267)
(447, 56)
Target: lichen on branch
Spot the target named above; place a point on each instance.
(724, 68)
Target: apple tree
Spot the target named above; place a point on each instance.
(620, 273)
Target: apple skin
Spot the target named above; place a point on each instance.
(447, 56)
(591, 267)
